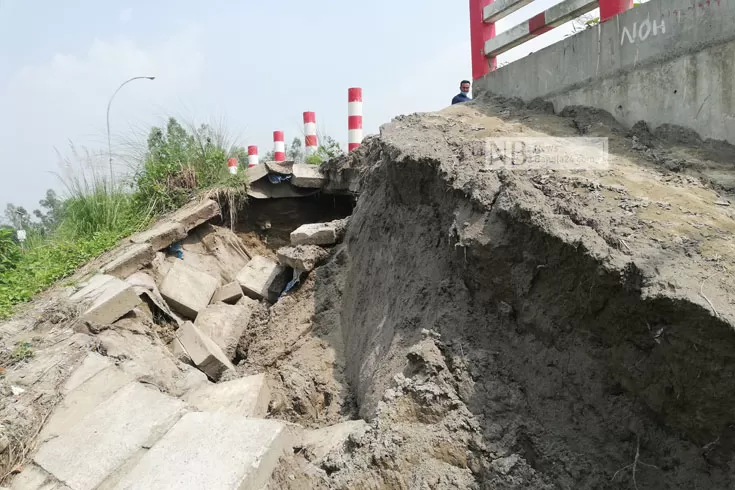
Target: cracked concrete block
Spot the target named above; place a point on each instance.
(302, 257)
(248, 396)
(224, 324)
(203, 351)
(262, 278)
(188, 290)
(315, 234)
(161, 235)
(106, 299)
(308, 176)
(103, 439)
(230, 293)
(84, 399)
(92, 364)
(210, 451)
(34, 478)
(129, 260)
(196, 213)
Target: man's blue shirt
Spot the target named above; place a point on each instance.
(461, 97)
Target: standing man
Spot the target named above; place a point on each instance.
(463, 96)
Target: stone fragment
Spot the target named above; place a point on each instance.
(308, 176)
(224, 324)
(188, 290)
(210, 451)
(230, 293)
(103, 439)
(248, 396)
(314, 234)
(129, 260)
(302, 257)
(203, 351)
(92, 364)
(196, 213)
(106, 299)
(161, 235)
(262, 278)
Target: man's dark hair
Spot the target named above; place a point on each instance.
(464, 81)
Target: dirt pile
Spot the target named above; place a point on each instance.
(529, 329)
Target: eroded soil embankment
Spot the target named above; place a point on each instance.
(496, 339)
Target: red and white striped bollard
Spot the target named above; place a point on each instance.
(279, 146)
(354, 118)
(232, 165)
(310, 139)
(252, 156)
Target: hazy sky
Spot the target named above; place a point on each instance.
(253, 66)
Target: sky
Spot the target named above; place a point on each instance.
(251, 67)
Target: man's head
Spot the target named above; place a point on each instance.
(464, 86)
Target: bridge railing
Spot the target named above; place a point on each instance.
(486, 46)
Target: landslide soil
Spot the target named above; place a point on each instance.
(504, 329)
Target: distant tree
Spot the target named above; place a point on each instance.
(54, 209)
(18, 217)
(328, 149)
(296, 152)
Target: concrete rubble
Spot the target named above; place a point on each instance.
(129, 259)
(230, 293)
(196, 213)
(263, 278)
(224, 324)
(302, 257)
(308, 176)
(315, 234)
(210, 451)
(203, 351)
(248, 396)
(320, 442)
(103, 439)
(161, 235)
(106, 299)
(188, 290)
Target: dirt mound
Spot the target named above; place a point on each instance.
(529, 329)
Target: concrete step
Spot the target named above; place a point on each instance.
(212, 451)
(104, 439)
(248, 397)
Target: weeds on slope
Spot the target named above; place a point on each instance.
(176, 166)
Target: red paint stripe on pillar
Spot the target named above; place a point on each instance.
(352, 146)
(611, 8)
(309, 117)
(537, 22)
(278, 136)
(310, 140)
(232, 162)
(354, 94)
(252, 150)
(479, 33)
(354, 122)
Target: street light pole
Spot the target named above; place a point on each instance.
(109, 103)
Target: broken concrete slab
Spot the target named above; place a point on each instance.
(320, 442)
(129, 259)
(84, 399)
(195, 213)
(263, 278)
(224, 324)
(248, 396)
(308, 176)
(188, 290)
(264, 189)
(161, 235)
(103, 439)
(35, 478)
(314, 234)
(230, 293)
(92, 364)
(302, 257)
(203, 351)
(320, 233)
(145, 287)
(218, 251)
(256, 173)
(106, 299)
(280, 168)
(210, 451)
